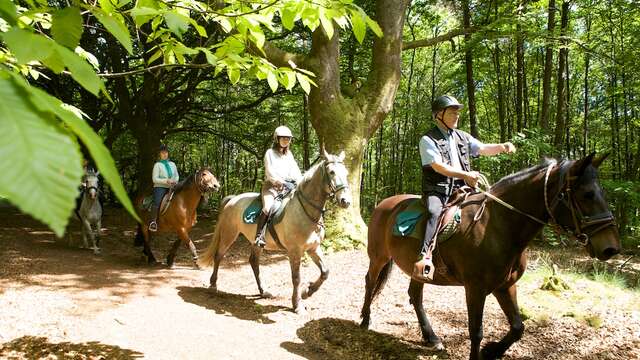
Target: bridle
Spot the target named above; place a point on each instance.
(202, 188)
(580, 222)
(333, 189)
(565, 196)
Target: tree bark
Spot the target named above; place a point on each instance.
(548, 66)
(501, 105)
(519, 72)
(585, 123)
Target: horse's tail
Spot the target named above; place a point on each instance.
(382, 279)
(139, 239)
(206, 259)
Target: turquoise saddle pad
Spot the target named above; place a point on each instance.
(251, 213)
(407, 220)
(411, 222)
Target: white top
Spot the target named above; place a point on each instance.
(160, 176)
(281, 167)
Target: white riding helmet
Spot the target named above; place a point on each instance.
(282, 131)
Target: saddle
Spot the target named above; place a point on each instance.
(147, 202)
(251, 213)
(411, 220)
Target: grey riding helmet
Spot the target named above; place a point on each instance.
(443, 102)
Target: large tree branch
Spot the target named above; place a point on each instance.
(204, 129)
(441, 38)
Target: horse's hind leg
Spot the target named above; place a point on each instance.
(316, 256)
(430, 339)
(224, 243)
(254, 260)
(375, 279)
(507, 298)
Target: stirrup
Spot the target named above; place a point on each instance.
(153, 226)
(423, 270)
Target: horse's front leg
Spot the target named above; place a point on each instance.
(86, 231)
(294, 261)
(507, 299)
(96, 238)
(475, 308)
(254, 260)
(316, 256)
(151, 260)
(431, 340)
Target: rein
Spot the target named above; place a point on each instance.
(604, 219)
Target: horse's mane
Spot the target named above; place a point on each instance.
(516, 178)
(183, 184)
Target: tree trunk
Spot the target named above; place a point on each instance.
(560, 126)
(306, 163)
(548, 69)
(347, 124)
(468, 60)
(585, 123)
(501, 105)
(519, 72)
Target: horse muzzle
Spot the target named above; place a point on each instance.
(344, 203)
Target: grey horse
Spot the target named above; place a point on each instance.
(91, 211)
(298, 232)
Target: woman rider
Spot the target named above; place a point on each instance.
(164, 176)
(280, 171)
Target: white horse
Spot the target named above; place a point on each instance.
(91, 211)
(297, 232)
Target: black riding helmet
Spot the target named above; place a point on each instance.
(443, 102)
(163, 147)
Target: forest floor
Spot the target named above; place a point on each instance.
(59, 301)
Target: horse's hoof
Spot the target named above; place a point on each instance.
(364, 324)
(212, 289)
(491, 351)
(308, 291)
(266, 295)
(96, 251)
(434, 346)
(196, 266)
(300, 310)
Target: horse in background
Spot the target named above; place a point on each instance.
(180, 215)
(486, 254)
(297, 232)
(90, 211)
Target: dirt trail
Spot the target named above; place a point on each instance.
(57, 299)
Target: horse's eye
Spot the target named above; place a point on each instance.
(332, 172)
(589, 195)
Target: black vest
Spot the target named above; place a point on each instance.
(438, 183)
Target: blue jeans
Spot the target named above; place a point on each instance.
(158, 194)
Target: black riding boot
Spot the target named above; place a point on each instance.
(261, 229)
(153, 225)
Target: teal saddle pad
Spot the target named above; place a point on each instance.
(411, 222)
(251, 213)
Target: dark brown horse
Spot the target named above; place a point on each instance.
(181, 214)
(487, 256)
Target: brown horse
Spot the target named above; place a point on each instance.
(486, 255)
(181, 214)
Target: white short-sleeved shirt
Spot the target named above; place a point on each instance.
(429, 152)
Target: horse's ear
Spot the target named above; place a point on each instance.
(341, 156)
(97, 173)
(579, 166)
(599, 159)
(324, 152)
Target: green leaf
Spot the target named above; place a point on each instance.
(211, 59)
(41, 162)
(177, 23)
(234, 75)
(327, 23)
(200, 29)
(258, 38)
(81, 71)
(27, 46)
(358, 24)
(304, 82)
(89, 138)
(374, 26)
(288, 17)
(8, 11)
(66, 27)
(116, 27)
(272, 80)
(142, 15)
